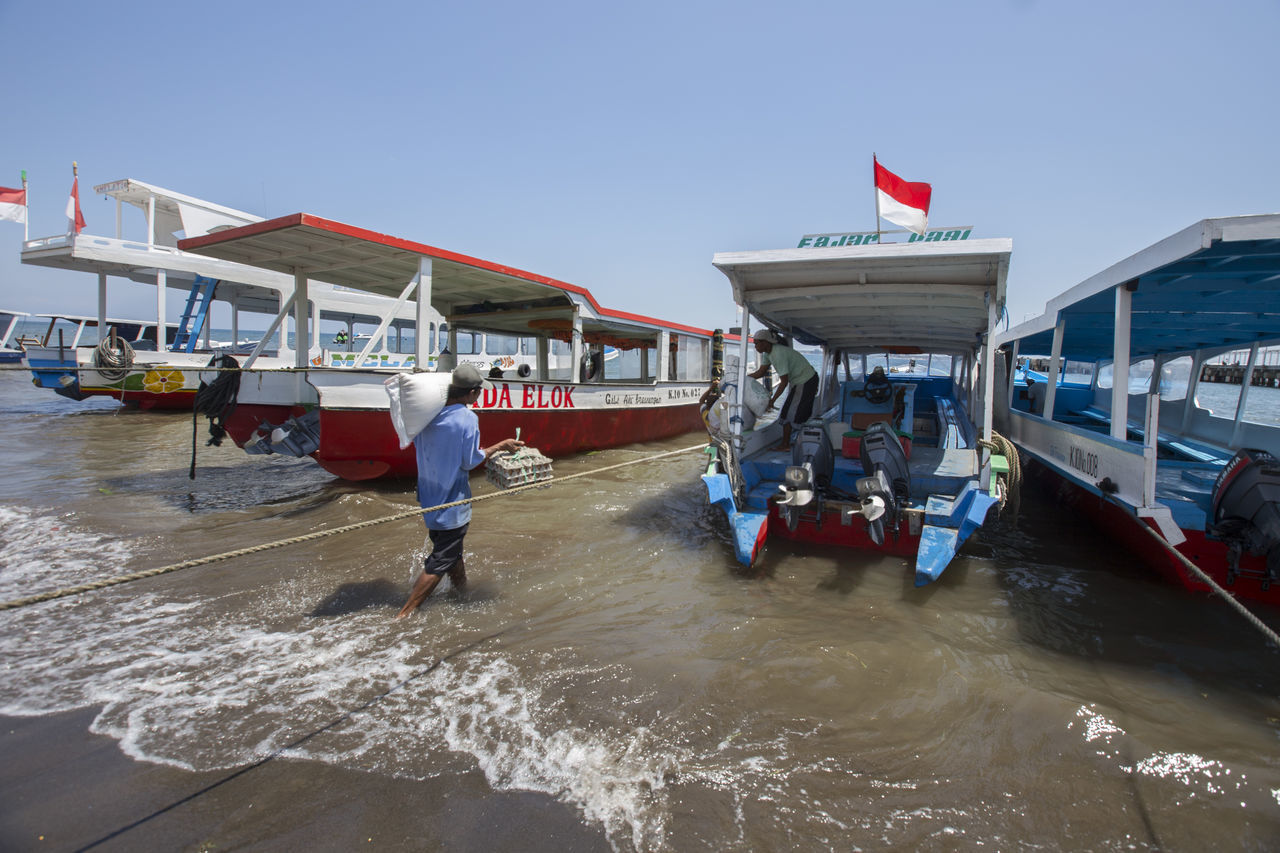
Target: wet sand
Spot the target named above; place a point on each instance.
(65, 788)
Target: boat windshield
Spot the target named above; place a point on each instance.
(918, 364)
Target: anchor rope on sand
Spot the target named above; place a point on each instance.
(319, 534)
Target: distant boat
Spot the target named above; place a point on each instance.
(1206, 484)
(10, 351)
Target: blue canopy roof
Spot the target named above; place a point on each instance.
(1212, 286)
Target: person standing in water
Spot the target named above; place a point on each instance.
(448, 449)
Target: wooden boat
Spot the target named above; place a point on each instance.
(894, 459)
(567, 398)
(1205, 481)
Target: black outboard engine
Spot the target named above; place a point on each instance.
(885, 489)
(1246, 511)
(808, 475)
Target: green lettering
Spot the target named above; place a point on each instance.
(821, 241)
(803, 242)
(952, 235)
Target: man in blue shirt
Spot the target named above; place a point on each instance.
(447, 449)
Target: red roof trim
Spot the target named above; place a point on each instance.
(305, 219)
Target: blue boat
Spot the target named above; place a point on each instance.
(898, 457)
(1191, 490)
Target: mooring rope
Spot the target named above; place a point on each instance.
(320, 534)
(1249, 615)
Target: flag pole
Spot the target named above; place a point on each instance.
(26, 220)
(877, 195)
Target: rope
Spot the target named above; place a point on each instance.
(320, 534)
(113, 362)
(215, 400)
(1013, 491)
(1212, 584)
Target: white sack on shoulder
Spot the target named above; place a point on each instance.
(416, 398)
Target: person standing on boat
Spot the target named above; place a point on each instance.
(448, 449)
(796, 376)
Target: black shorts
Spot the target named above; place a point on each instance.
(446, 550)
(798, 407)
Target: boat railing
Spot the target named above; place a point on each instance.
(61, 241)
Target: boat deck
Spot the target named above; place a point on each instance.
(934, 470)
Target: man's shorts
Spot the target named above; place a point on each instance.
(798, 406)
(446, 550)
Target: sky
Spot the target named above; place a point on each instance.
(619, 146)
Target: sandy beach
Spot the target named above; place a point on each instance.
(64, 788)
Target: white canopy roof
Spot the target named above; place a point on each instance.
(897, 296)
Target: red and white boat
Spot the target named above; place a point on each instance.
(565, 397)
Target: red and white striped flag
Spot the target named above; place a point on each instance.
(75, 219)
(904, 203)
(13, 204)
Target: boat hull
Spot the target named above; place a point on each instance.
(1209, 555)
(360, 443)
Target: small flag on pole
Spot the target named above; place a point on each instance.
(75, 219)
(904, 203)
(13, 204)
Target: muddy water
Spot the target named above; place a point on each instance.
(611, 662)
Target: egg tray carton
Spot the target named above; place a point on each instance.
(521, 468)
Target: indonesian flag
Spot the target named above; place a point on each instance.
(75, 219)
(904, 203)
(13, 204)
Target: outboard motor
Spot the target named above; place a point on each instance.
(1246, 511)
(808, 475)
(885, 489)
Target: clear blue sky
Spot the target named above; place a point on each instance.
(619, 146)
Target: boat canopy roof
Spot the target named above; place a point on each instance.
(175, 211)
(468, 291)
(906, 297)
(1214, 286)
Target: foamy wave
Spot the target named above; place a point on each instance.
(45, 550)
(181, 684)
(616, 779)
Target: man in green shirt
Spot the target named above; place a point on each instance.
(795, 375)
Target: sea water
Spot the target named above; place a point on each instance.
(1046, 693)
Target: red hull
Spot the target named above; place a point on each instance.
(362, 445)
(1209, 555)
(853, 535)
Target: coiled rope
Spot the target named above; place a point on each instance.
(320, 534)
(113, 362)
(215, 400)
(1006, 448)
(1212, 584)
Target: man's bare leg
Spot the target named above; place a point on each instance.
(458, 576)
(421, 589)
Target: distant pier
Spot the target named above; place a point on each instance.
(1267, 376)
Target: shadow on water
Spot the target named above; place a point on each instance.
(364, 595)
(1075, 592)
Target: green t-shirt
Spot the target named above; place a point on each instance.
(789, 363)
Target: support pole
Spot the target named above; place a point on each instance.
(301, 326)
(1055, 368)
(162, 287)
(1120, 367)
(421, 342)
(102, 300)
